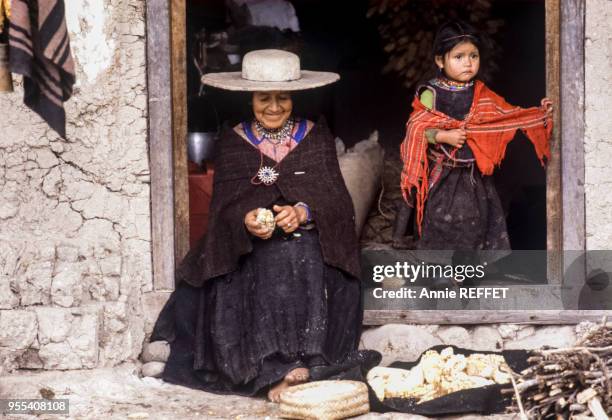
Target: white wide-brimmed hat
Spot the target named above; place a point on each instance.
(267, 70)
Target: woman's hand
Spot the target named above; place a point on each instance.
(289, 218)
(256, 228)
(455, 138)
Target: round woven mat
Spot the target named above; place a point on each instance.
(327, 400)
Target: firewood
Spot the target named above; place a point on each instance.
(390, 47)
(402, 23)
(574, 381)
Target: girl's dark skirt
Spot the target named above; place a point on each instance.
(463, 212)
(283, 308)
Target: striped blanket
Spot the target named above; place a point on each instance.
(490, 125)
(39, 49)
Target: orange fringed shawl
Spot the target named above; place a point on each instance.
(490, 125)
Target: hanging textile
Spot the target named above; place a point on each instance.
(39, 49)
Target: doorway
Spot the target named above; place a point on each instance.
(567, 200)
(333, 37)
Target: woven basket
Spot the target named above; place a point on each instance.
(325, 400)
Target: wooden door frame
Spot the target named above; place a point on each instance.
(166, 70)
(167, 94)
(565, 175)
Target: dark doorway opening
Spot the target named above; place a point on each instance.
(337, 36)
(521, 79)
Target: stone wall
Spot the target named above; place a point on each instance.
(598, 130)
(407, 342)
(75, 251)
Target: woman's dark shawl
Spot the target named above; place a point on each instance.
(310, 173)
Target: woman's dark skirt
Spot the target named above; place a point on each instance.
(242, 332)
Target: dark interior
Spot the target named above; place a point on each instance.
(338, 37)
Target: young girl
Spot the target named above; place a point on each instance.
(456, 135)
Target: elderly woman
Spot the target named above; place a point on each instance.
(261, 303)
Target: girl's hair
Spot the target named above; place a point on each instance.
(453, 33)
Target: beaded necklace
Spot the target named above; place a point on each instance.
(275, 136)
(444, 83)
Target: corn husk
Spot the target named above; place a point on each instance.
(438, 374)
(265, 218)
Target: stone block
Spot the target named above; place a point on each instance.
(152, 304)
(103, 288)
(153, 369)
(35, 284)
(115, 317)
(59, 356)
(29, 359)
(456, 336)
(8, 297)
(67, 286)
(70, 334)
(554, 336)
(123, 335)
(486, 338)
(111, 265)
(8, 361)
(53, 324)
(36, 344)
(508, 331)
(137, 263)
(18, 328)
(525, 331)
(111, 287)
(157, 351)
(83, 339)
(137, 335)
(398, 342)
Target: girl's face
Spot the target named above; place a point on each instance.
(272, 109)
(461, 63)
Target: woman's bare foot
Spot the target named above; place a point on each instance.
(295, 377)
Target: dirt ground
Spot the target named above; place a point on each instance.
(120, 393)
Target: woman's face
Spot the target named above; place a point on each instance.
(461, 63)
(272, 109)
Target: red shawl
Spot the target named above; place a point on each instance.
(490, 125)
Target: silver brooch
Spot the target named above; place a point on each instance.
(267, 175)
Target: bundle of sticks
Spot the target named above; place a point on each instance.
(568, 383)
